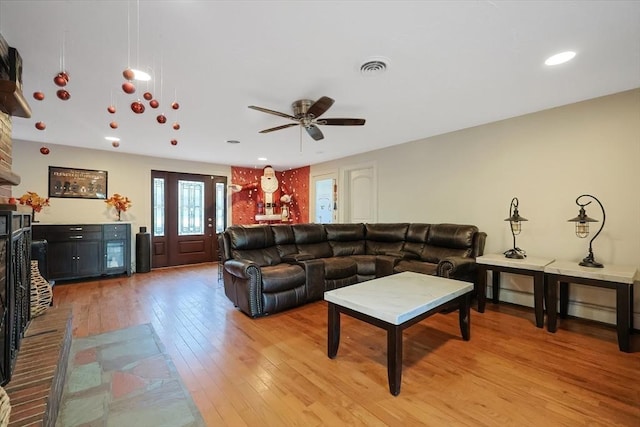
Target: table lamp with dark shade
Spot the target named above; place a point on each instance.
(516, 227)
(582, 229)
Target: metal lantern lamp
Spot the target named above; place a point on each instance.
(582, 229)
(516, 227)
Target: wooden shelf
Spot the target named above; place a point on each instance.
(12, 101)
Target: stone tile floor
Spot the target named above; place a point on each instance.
(124, 378)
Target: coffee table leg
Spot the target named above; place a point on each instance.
(465, 317)
(394, 359)
(333, 336)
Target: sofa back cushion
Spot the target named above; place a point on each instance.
(346, 239)
(312, 239)
(253, 243)
(383, 238)
(284, 239)
(416, 238)
(446, 240)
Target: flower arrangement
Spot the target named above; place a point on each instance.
(119, 202)
(32, 199)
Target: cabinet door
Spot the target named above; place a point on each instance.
(114, 256)
(88, 258)
(62, 259)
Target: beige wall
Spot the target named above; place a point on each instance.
(129, 175)
(546, 159)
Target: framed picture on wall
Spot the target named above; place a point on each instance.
(77, 183)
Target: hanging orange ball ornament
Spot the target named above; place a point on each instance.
(41, 126)
(115, 144)
(111, 109)
(154, 103)
(175, 105)
(128, 74)
(61, 79)
(148, 96)
(161, 119)
(63, 94)
(176, 125)
(113, 125)
(44, 150)
(137, 107)
(38, 96)
(174, 142)
(128, 87)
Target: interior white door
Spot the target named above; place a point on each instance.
(324, 198)
(360, 193)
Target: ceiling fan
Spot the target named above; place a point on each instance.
(306, 113)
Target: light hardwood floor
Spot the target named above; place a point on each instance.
(274, 371)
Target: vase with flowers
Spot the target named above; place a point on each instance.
(33, 200)
(119, 202)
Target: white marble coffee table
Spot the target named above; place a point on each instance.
(394, 303)
(618, 277)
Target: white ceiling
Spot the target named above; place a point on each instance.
(452, 65)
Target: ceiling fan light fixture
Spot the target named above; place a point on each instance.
(374, 66)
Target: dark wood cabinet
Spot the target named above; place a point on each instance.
(86, 250)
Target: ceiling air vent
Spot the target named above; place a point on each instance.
(374, 66)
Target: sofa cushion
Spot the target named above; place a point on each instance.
(384, 238)
(339, 268)
(416, 238)
(366, 264)
(451, 235)
(253, 243)
(281, 277)
(416, 267)
(346, 239)
(312, 239)
(284, 239)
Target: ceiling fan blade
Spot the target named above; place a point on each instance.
(342, 122)
(320, 106)
(276, 113)
(288, 125)
(314, 132)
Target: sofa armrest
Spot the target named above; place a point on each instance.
(241, 268)
(459, 268)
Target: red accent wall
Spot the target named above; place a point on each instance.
(244, 204)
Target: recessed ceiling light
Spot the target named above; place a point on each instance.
(262, 159)
(141, 76)
(112, 138)
(560, 58)
(233, 141)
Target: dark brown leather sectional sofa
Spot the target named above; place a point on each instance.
(270, 268)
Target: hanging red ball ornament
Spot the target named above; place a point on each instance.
(63, 94)
(128, 87)
(137, 107)
(175, 105)
(61, 79)
(113, 125)
(148, 96)
(154, 103)
(174, 142)
(176, 125)
(128, 74)
(111, 109)
(38, 96)
(115, 144)
(44, 150)
(41, 126)
(161, 119)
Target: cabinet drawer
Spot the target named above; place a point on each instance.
(115, 231)
(61, 233)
